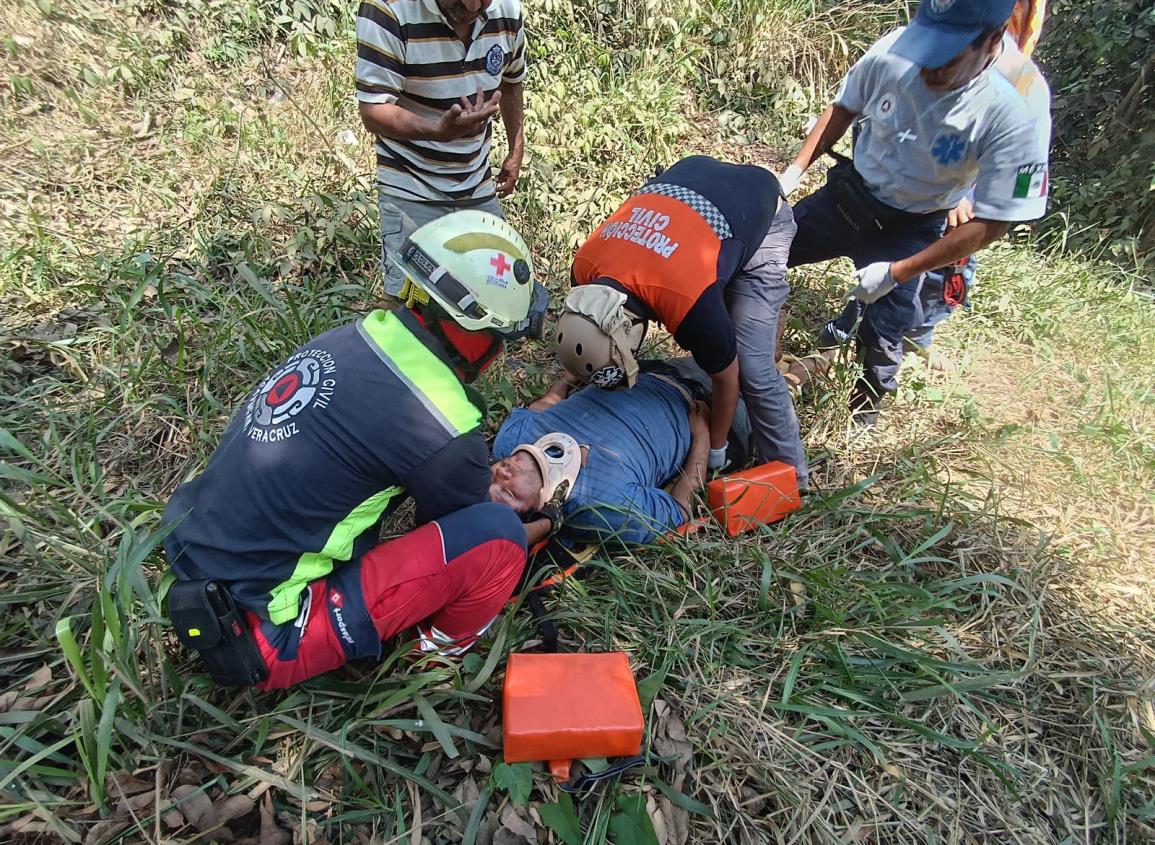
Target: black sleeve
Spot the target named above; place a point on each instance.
(707, 332)
(453, 478)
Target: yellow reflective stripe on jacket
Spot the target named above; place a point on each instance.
(440, 392)
(430, 380)
(285, 597)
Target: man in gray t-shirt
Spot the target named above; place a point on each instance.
(935, 119)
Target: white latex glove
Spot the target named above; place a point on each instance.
(789, 179)
(717, 458)
(874, 282)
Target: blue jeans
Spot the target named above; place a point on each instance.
(754, 299)
(878, 328)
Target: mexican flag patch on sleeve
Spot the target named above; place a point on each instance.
(1030, 182)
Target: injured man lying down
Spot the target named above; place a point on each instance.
(644, 452)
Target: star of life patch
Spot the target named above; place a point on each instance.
(1030, 181)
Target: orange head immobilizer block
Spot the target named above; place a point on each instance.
(758, 496)
(560, 707)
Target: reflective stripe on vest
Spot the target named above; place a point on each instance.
(440, 392)
(428, 378)
(284, 601)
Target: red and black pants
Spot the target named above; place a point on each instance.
(449, 579)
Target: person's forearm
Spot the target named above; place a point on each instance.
(391, 121)
(723, 404)
(825, 134)
(513, 115)
(968, 238)
(537, 531)
(693, 470)
(556, 393)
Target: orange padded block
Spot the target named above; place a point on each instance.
(567, 706)
(691, 527)
(758, 496)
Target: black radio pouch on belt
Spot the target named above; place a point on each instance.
(208, 621)
(855, 202)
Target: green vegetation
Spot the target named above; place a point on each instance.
(1101, 66)
(951, 643)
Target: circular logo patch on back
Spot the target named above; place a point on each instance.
(287, 392)
(494, 60)
(305, 380)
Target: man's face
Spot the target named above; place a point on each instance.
(963, 68)
(516, 481)
(462, 11)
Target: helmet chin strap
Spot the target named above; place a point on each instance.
(634, 320)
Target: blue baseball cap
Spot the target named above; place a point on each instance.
(942, 29)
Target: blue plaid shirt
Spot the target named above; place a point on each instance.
(638, 440)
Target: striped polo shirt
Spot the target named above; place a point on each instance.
(408, 54)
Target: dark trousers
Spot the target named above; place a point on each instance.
(754, 298)
(823, 233)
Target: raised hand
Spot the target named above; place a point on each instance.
(468, 116)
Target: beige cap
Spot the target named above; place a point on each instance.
(598, 338)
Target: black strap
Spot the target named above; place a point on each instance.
(590, 779)
(537, 610)
(557, 561)
(554, 558)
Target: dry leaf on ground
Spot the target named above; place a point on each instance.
(131, 806)
(235, 807)
(466, 795)
(657, 819)
(505, 837)
(489, 826)
(513, 822)
(270, 833)
(104, 831)
(670, 738)
(122, 784)
(195, 806)
(677, 823)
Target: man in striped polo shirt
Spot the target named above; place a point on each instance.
(431, 75)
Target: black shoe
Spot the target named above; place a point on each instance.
(864, 406)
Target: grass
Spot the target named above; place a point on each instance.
(951, 643)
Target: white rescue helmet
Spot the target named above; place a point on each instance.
(478, 269)
(598, 338)
(559, 459)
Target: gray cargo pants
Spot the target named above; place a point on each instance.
(754, 299)
(400, 217)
